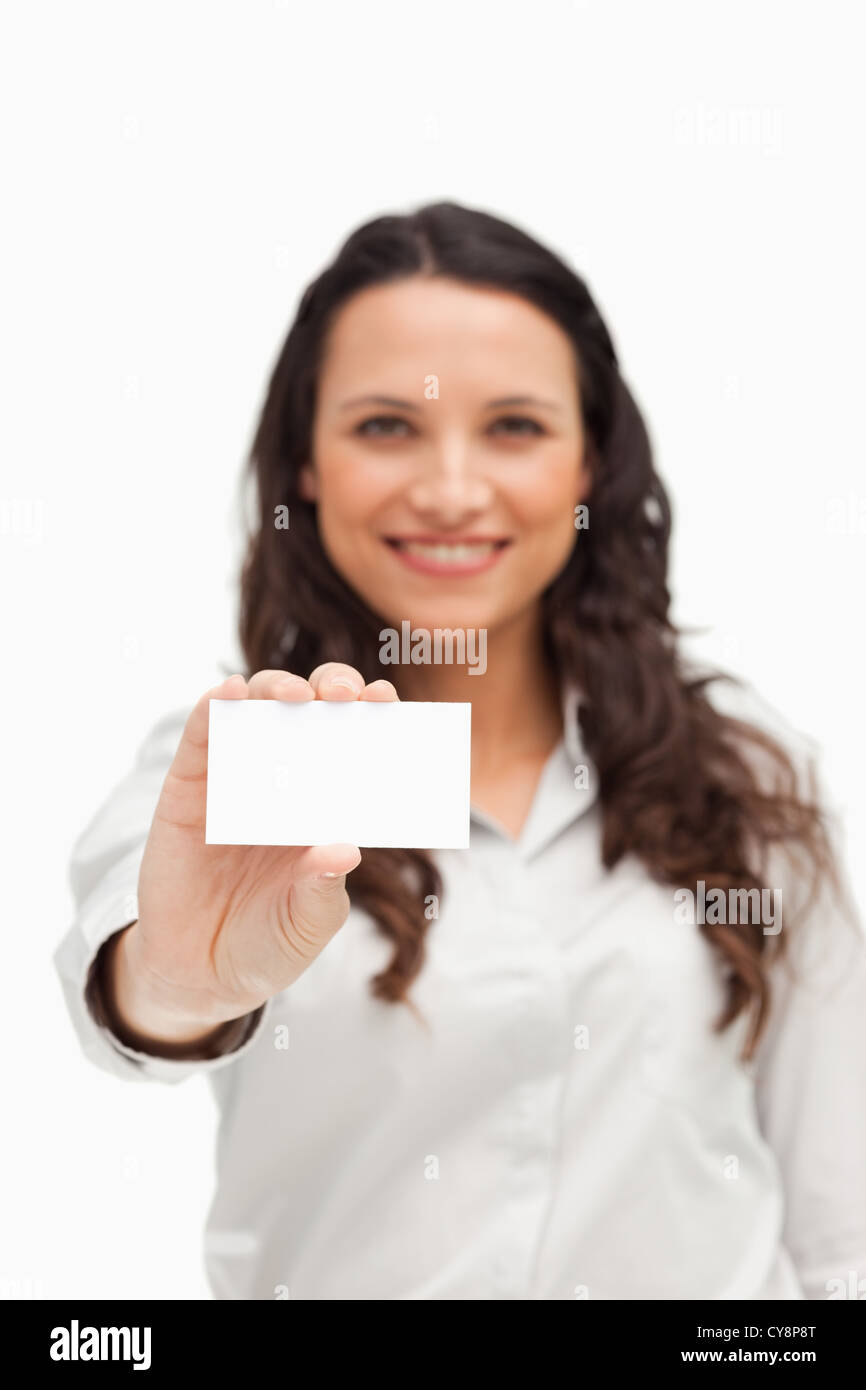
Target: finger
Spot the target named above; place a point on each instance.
(280, 685)
(334, 681)
(379, 690)
(190, 760)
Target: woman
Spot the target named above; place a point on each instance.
(543, 1067)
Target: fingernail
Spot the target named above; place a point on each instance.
(343, 683)
(329, 875)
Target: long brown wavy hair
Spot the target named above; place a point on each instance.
(676, 785)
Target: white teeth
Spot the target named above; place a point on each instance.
(445, 554)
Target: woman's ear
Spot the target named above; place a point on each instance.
(307, 483)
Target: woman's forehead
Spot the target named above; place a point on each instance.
(443, 325)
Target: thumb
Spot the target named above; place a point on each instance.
(319, 903)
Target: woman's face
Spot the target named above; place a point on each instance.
(448, 453)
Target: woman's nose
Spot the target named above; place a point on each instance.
(450, 484)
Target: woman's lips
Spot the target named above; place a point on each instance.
(447, 557)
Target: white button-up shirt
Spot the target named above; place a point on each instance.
(563, 1124)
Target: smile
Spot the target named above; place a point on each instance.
(436, 556)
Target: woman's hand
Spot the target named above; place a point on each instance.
(222, 928)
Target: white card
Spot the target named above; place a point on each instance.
(377, 774)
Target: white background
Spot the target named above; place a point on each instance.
(174, 174)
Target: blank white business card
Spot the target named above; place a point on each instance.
(368, 773)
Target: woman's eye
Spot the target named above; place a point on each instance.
(383, 427)
(516, 426)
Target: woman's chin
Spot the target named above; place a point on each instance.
(457, 617)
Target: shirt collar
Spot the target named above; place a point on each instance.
(566, 789)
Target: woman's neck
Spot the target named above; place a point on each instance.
(516, 705)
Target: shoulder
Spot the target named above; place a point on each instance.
(161, 740)
(761, 733)
(829, 939)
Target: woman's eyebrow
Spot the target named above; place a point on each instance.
(396, 403)
(378, 400)
(522, 400)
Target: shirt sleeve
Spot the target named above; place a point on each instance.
(103, 873)
(810, 1086)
